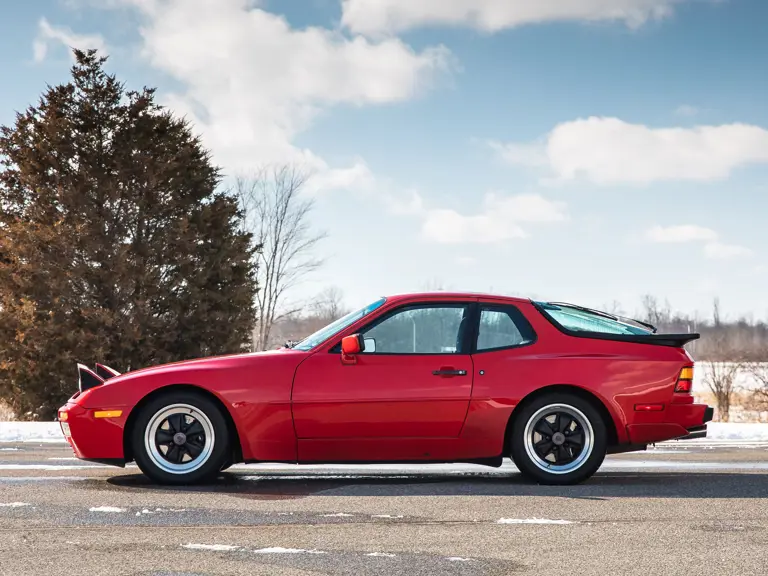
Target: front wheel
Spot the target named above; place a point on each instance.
(558, 439)
(180, 437)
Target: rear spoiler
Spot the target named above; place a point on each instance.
(672, 340)
(87, 378)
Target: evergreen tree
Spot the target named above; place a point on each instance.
(115, 243)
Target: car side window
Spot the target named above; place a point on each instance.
(503, 327)
(419, 329)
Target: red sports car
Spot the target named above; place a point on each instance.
(412, 378)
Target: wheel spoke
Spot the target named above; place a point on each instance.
(575, 439)
(543, 447)
(174, 454)
(194, 429)
(176, 422)
(563, 421)
(163, 437)
(193, 448)
(562, 455)
(544, 428)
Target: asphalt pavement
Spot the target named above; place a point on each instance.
(675, 510)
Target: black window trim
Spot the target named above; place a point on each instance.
(655, 339)
(497, 306)
(466, 345)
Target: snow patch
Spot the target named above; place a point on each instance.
(13, 505)
(279, 550)
(458, 559)
(213, 547)
(31, 432)
(385, 516)
(338, 515)
(106, 509)
(532, 521)
(381, 555)
(46, 467)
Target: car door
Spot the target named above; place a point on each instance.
(413, 380)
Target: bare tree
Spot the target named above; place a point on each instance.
(759, 371)
(720, 378)
(329, 304)
(277, 213)
(723, 365)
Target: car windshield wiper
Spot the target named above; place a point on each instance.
(614, 317)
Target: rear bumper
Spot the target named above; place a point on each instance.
(91, 438)
(700, 431)
(680, 422)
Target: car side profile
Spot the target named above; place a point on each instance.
(438, 377)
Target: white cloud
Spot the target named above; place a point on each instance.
(498, 221)
(390, 16)
(251, 84)
(720, 251)
(524, 154)
(687, 110)
(46, 34)
(713, 247)
(610, 151)
(682, 233)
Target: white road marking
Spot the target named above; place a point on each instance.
(279, 550)
(114, 509)
(13, 505)
(532, 521)
(213, 547)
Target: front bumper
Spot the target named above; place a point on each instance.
(94, 438)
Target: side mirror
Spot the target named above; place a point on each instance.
(350, 347)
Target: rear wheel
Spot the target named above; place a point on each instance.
(180, 437)
(558, 439)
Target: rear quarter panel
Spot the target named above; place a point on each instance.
(619, 374)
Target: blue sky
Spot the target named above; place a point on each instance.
(591, 151)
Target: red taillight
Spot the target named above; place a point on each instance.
(685, 381)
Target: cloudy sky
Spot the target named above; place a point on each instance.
(582, 150)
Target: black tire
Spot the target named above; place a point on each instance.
(570, 463)
(212, 456)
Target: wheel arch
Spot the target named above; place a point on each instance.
(589, 396)
(237, 449)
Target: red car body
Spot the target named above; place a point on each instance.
(311, 406)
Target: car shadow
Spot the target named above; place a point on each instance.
(600, 487)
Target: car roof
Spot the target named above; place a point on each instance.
(445, 295)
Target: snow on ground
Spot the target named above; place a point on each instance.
(112, 509)
(31, 432)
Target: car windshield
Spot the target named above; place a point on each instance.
(586, 320)
(337, 326)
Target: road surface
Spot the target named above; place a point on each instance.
(674, 510)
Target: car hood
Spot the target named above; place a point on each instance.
(230, 361)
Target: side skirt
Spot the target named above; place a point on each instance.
(495, 462)
(624, 448)
(119, 462)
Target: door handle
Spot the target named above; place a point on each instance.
(449, 372)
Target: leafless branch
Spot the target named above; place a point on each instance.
(277, 214)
